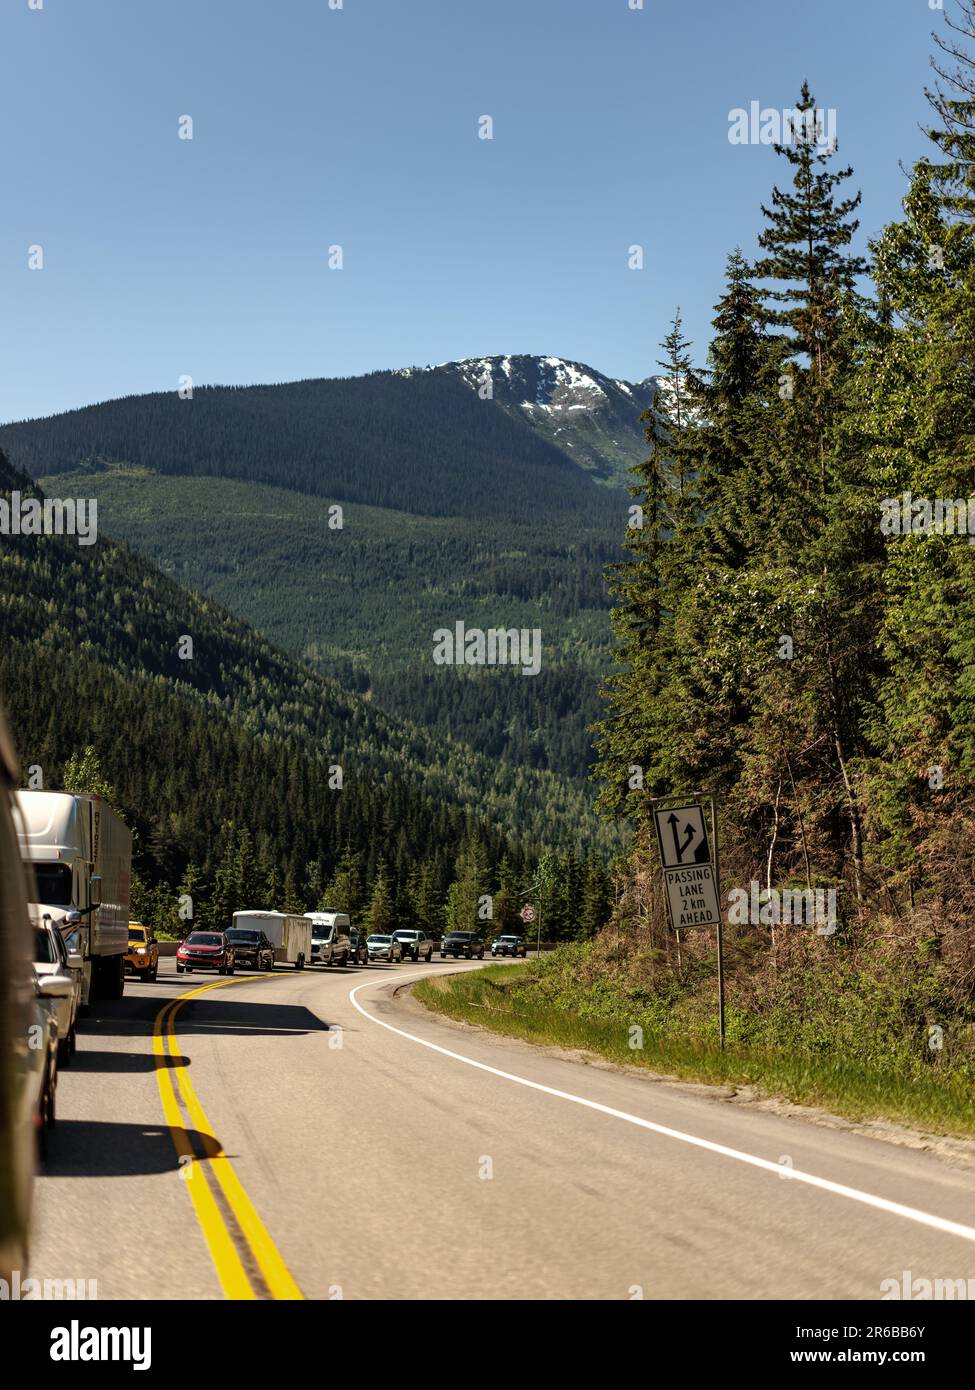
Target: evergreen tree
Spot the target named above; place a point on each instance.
(595, 905)
(471, 885)
(380, 917)
(633, 744)
(83, 773)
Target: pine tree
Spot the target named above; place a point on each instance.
(596, 900)
(425, 898)
(635, 752)
(506, 900)
(346, 890)
(471, 885)
(83, 773)
(380, 918)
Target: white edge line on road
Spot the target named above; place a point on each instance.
(853, 1194)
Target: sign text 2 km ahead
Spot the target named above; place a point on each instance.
(687, 859)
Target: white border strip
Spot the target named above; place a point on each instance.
(853, 1194)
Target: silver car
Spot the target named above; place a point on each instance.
(384, 948)
(52, 961)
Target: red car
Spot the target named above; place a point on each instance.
(205, 950)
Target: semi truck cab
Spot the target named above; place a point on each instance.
(79, 855)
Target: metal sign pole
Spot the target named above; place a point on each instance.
(717, 879)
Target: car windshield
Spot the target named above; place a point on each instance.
(137, 933)
(53, 884)
(461, 935)
(382, 940)
(44, 953)
(238, 935)
(202, 938)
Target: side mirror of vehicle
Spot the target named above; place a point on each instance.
(153, 941)
(76, 960)
(55, 987)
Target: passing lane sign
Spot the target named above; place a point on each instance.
(682, 835)
(687, 860)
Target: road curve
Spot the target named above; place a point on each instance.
(387, 1153)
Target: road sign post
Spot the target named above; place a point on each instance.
(690, 868)
(717, 881)
(528, 914)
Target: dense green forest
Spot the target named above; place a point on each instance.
(785, 646)
(424, 443)
(361, 604)
(453, 508)
(224, 763)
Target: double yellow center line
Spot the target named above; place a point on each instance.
(248, 1264)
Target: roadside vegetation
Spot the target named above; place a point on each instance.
(787, 648)
(846, 1045)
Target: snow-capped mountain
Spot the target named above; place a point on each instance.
(594, 418)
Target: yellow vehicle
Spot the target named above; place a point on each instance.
(142, 954)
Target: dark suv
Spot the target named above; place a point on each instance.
(251, 948)
(462, 943)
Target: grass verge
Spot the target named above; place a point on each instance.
(500, 998)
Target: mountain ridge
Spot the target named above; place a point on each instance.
(556, 421)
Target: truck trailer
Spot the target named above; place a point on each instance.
(78, 856)
(290, 935)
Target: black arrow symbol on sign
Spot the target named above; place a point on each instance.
(679, 848)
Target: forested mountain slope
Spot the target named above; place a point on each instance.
(240, 739)
(455, 508)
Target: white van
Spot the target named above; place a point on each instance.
(331, 943)
(290, 935)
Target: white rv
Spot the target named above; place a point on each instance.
(80, 855)
(290, 935)
(331, 943)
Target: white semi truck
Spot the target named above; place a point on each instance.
(289, 934)
(78, 853)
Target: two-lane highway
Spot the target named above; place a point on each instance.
(318, 1134)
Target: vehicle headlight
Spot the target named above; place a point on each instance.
(140, 950)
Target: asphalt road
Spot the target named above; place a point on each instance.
(339, 1141)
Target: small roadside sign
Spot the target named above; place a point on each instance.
(686, 858)
(692, 897)
(688, 843)
(527, 914)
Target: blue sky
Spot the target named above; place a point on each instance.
(358, 127)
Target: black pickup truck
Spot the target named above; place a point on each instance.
(251, 948)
